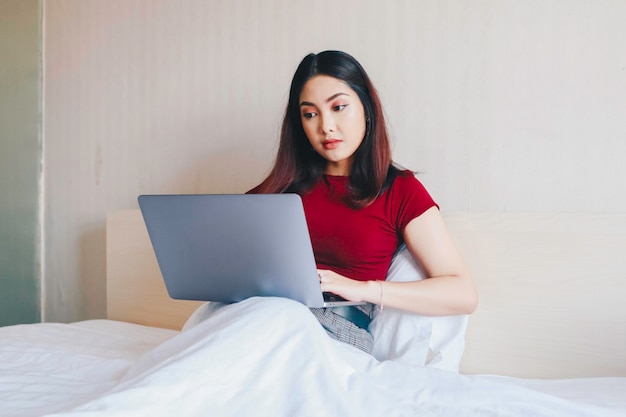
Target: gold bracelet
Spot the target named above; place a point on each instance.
(380, 303)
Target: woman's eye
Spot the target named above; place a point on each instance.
(308, 115)
(339, 107)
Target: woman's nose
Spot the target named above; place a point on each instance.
(328, 124)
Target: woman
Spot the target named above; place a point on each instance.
(334, 152)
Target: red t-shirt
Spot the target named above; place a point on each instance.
(360, 243)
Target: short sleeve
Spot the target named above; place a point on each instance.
(408, 199)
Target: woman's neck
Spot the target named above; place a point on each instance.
(338, 169)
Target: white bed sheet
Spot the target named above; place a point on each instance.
(257, 357)
(50, 367)
(608, 393)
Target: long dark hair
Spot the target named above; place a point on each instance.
(297, 166)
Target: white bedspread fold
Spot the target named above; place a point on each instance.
(270, 357)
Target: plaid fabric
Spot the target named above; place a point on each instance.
(344, 330)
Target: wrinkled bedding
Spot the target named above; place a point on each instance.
(50, 367)
(262, 356)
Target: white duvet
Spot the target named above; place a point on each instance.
(265, 357)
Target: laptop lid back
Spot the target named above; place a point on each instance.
(228, 247)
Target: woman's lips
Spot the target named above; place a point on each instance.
(331, 143)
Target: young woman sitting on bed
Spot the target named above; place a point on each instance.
(335, 153)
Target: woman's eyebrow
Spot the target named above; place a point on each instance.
(331, 98)
(334, 96)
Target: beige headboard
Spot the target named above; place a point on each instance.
(552, 288)
(135, 289)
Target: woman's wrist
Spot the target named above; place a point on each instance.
(381, 303)
(376, 293)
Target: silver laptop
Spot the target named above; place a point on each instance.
(229, 247)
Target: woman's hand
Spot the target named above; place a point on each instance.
(347, 288)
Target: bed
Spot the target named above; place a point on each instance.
(549, 338)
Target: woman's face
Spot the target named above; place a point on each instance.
(333, 119)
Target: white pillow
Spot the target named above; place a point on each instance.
(419, 340)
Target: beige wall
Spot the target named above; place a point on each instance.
(505, 105)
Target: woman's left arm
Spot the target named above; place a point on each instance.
(447, 290)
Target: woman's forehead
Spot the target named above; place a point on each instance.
(322, 88)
